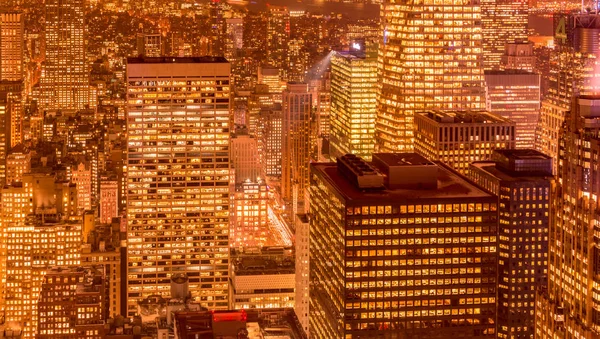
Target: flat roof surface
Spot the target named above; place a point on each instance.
(490, 167)
(463, 117)
(523, 154)
(450, 185)
(403, 159)
(176, 60)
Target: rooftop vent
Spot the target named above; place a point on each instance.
(359, 172)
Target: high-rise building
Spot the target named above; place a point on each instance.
(521, 179)
(34, 247)
(460, 138)
(441, 67)
(263, 278)
(301, 247)
(71, 303)
(515, 95)
(250, 218)
(178, 177)
(109, 199)
(81, 176)
(244, 158)
(12, 41)
(64, 83)
(270, 139)
(569, 305)
(18, 162)
(297, 142)
(149, 45)
(503, 22)
(11, 119)
(572, 71)
(400, 248)
(353, 103)
(218, 28)
(519, 56)
(278, 35)
(234, 38)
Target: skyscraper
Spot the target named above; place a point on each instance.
(11, 46)
(569, 305)
(430, 57)
(503, 22)
(571, 69)
(65, 80)
(521, 179)
(353, 103)
(515, 94)
(458, 138)
(178, 177)
(298, 142)
(278, 35)
(400, 248)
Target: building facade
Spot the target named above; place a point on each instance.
(504, 22)
(353, 103)
(448, 50)
(64, 83)
(522, 180)
(515, 95)
(12, 40)
(460, 138)
(400, 248)
(178, 177)
(568, 308)
(298, 142)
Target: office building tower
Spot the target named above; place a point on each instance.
(218, 28)
(270, 139)
(403, 248)
(149, 45)
(245, 161)
(297, 142)
(234, 38)
(572, 71)
(521, 179)
(34, 246)
(109, 199)
(178, 177)
(353, 103)
(503, 22)
(518, 56)
(18, 163)
(106, 248)
(81, 176)
(568, 308)
(11, 119)
(460, 138)
(515, 95)
(12, 41)
(273, 78)
(278, 35)
(71, 303)
(263, 278)
(64, 83)
(250, 218)
(439, 68)
(302, 297)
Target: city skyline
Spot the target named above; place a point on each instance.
(425, 169)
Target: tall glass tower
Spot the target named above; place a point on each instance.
(65, 80)
(430, 57)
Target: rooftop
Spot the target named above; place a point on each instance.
(450, 184)
(523, 154)
(463, 117)
(176, 60)
(504, 175)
